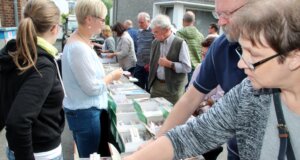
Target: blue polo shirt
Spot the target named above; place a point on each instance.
(133, 34)
(219, 67)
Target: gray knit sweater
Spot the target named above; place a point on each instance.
(242, 112)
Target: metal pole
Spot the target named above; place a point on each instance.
(16, 12)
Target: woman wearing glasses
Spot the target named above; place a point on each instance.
(253, 110)
(84, 78)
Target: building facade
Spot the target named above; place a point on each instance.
(10, 12)
(203, 9)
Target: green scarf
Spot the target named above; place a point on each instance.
(49, 48)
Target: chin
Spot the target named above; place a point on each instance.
(255, 85)
(98, 31)
(230, 35)
(231, 38)
(53, 41)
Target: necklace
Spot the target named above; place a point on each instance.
(86, 40)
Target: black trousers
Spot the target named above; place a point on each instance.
(212, 154)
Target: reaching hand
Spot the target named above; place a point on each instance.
(110, 55)
(116, 74)
(97, 45)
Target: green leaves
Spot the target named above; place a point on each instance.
(108, 3)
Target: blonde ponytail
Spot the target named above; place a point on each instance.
(26, 56)
(39, 17)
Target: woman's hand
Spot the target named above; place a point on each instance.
(111, 55)
(116, 74)
(97, 45)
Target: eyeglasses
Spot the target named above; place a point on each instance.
(228, 14)
(61, 26)
(252, 66)
(101, 19)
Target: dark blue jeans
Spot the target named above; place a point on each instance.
(85, 126)
(142, 75)
(212, 154)
(233, 153)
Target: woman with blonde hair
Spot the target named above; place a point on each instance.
(84, 78)
(108, 45)
(31, 90)
(109, 42)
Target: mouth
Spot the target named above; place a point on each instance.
(250, 78)
(248, 74)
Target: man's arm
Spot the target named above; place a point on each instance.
(182, 110)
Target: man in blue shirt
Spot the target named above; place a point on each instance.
(132, 32)
(218, 68)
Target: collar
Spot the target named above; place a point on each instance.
(147, 29)
(49, 48)
(169, 39)
(264, 91)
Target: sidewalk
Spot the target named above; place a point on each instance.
(2, 145)
(67, 144)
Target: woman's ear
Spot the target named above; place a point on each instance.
(55, 29)
(294, 62)
(88, 20)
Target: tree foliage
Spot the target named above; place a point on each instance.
(108, 3)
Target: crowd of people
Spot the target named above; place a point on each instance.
(255, 62)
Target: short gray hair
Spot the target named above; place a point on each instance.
(161, 21)
(144, 15)
(276, 20)
(128, 23)
(86, 8)
(189, 17)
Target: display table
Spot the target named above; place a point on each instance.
(135, 116)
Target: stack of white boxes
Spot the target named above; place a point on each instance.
(138, 115)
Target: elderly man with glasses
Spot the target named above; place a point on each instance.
(169, 61)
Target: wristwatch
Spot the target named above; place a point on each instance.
(173, 66)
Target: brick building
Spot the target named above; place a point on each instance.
(7, 12)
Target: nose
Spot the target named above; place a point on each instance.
(242, 64)
(222, 21)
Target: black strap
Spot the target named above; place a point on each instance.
(285, 143)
